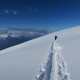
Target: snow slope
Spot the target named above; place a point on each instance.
(24, 61)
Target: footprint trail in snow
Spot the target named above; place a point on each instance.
(55, 67)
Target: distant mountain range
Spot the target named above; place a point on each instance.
(13, 36)
(14, 32)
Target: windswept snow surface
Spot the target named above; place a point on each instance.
(24, 61)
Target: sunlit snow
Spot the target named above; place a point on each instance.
(24, 61)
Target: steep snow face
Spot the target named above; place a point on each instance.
(23, 62)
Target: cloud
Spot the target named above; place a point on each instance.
(14, 12)
(30, 9)
(6, 11)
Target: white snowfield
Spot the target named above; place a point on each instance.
(43, 59)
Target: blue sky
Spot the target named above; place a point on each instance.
(44, 14)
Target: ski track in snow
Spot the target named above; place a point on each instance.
(55, 67)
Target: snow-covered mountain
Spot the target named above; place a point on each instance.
(43, 58)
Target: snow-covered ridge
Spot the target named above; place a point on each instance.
(22, 62)
(63, 34)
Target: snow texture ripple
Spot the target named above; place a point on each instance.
(55, 67)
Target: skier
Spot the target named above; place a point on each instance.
(56, 37)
